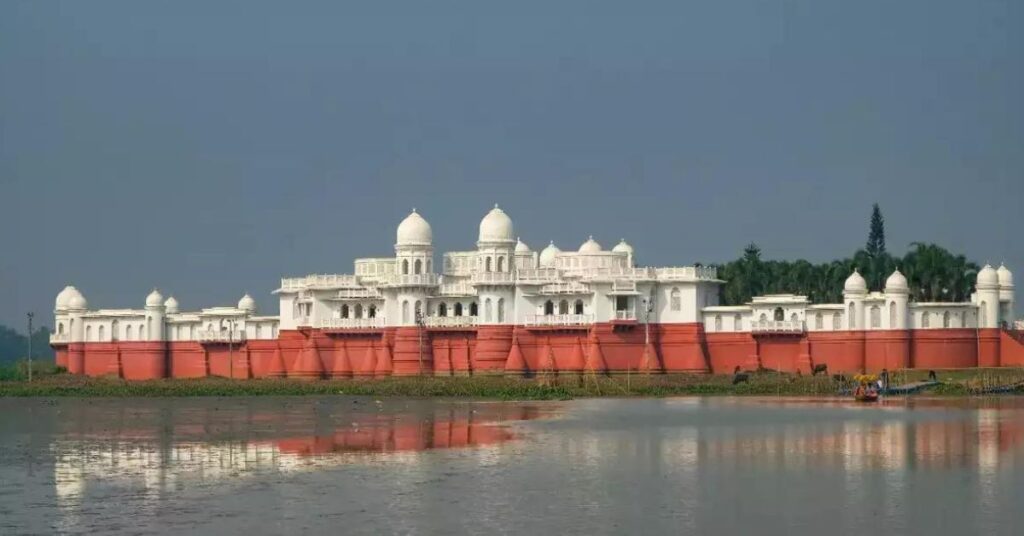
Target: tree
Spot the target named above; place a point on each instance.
(876, 236)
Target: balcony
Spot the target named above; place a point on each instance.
(559, 320)
(376, 322)
(686, 273)
(493, 278)
(318, 281)
(450, 321)
(60, 338)
(412, 280)
(359, 294)
(456, 289)
(779, 327)
(220, 337)
(623, 286)
(537, 275)
(565, 288)
(618, 272)
(625, 316)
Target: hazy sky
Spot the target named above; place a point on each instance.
(208, 148)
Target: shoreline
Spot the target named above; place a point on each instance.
(968, 382)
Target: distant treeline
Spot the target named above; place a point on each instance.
(14, 345)
(933, 273)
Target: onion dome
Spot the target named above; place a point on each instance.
(896, 283)
(496, 227)
(590, 246)
(1004, 276)
(547, 255)
(521, 247)
(155, 299)
(171, 305)
(247, 303)
(855, 284)
(414, 231)
(623, 247)
(61, 303)
(988, 277)
(76, 301)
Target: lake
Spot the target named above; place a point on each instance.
(344, 465)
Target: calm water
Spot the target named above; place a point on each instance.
(349, 466)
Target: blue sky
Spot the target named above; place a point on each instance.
(209, 148)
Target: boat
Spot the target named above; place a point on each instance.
(866, 388)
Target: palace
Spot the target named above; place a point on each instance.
(503, 308)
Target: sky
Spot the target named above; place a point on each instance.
(209, 148)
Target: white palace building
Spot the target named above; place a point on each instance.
(503, 307)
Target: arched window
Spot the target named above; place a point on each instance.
(273, 331)
(405, 312)
(563, 307)
(549, 308)
(359, 310)
(487, 264)
(925, 321)
(982, 315)
(101, 334)
(794, 318)
(779, 315)
(372, 312)
(258, 330)
(60, 328)
(737, 322)
(675, 300)
(88, 333)
(763, 319)
(149, 328)
(418, 266)
(442, 309)
(963, 319)
(501, 264)
(836, 323)
(115, 330)
(405, 266)
(429, 265)
(487, 310)
(578, 307)
(851, 319)
(128, 332)
(418, 310)
(473, 309)
(501, 309)
(819, 321)
(892, 315)
(945, 319)
(458, 309)
(718, 322)
(344, 311)
(876, 317)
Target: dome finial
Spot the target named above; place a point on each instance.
(496, 205)
(414, 210)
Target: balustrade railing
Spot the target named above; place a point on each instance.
(220, 336)
(777, 326)
(412, 280)
(537, 275)
(450, 321)
(359, 294)
(623, 285)
(319, 281)
(625, 315)
(687, 272)
(352, 323)
(633, 273)
(565, 288)
(559, 320)
(493, 278)
(60, 338)
(456, 289)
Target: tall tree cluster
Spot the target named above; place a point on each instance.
(14, 344)
(933, 273)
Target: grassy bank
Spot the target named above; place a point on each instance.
(956, 383)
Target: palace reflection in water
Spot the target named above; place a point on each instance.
(710, 463)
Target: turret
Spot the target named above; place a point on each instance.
(155, 313)
(414, 248)
(897, 294)
(988, 297)
(1006, 305)
(854, 291)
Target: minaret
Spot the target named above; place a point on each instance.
(1006, 309)
(987, 287)
(854, 291)
(494, 280)
(897, 294)
(154, 316)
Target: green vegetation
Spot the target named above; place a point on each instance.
(933, 273)
(18, 371)
(964, 382)
(14, 345)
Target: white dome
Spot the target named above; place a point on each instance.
(896, 282)
(988, 277)
(590, 246)
(247, 303)
(496, 227)
(171, 305)
(855, 284)
(155, 299)
(1004, 276)
(61, 303)
(623, 247)
(414, 231)
(521, 247)
(547, 255)
(76, 301)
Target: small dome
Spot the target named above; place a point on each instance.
(496, 227)
(547, 255)
(855, 284)
(171, 305)
(896, 282)
(247, 303)
(521, 247)
(623, 247)
(1004, 276)
(61, 303)
(414, 231)
(155, 299)
(988, 277)
(590, 246)
(76, 301)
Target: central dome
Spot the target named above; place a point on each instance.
(496, 227)
(414, 231)
(590, 246)
(855, 284)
